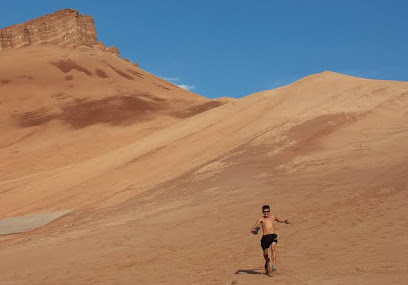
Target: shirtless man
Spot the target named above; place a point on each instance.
(269, 237)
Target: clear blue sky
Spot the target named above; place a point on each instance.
(234, 48)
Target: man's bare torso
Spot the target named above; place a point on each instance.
(267, 225)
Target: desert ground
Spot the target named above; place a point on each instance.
(165, 185)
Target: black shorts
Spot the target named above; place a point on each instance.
(267, 240)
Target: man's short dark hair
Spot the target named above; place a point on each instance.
(265, 207)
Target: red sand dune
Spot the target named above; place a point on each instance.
(166, 184)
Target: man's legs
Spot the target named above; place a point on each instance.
(265, 254)
(273, 251)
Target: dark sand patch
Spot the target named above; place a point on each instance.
(121, 73)
(197, 109)
(321, 126)
(115, 110)
(138, 74)
(66, 65)
(101, 73)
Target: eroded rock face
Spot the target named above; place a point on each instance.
(113, 50)
(65, 27)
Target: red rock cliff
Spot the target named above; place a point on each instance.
(65, 27)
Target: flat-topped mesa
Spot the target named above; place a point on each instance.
(65, 28)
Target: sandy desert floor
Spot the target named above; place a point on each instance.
(168, 193)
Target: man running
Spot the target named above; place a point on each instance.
(269, 237)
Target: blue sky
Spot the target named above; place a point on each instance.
(234, 48)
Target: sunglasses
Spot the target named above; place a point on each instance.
(265, 211)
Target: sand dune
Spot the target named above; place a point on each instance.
(165, 184)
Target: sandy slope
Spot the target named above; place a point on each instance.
(64, 106)
(171, 199)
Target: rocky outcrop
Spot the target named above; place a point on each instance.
(100, 46)
(113, 50)
(65, 28)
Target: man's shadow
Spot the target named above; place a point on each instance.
(250, 271)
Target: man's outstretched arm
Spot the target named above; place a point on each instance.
(256, 227)
(286, 221)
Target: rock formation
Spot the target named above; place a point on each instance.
(65, 28)
(113, 50)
